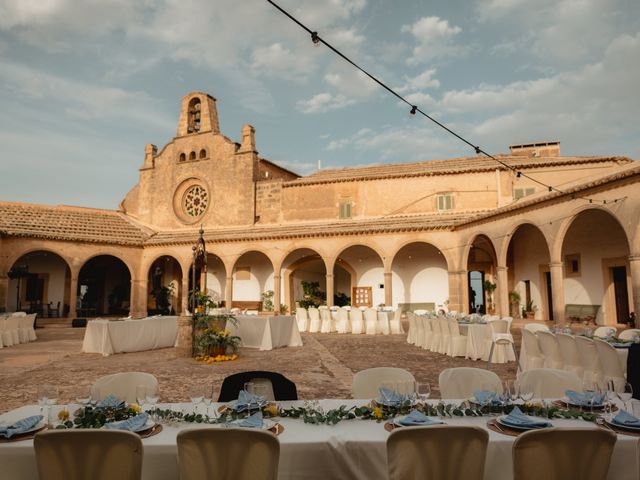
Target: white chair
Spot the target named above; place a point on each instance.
(530, 354)
(302, 318)
(612, 369)
(10, 336)
(427, 327)
(550, 382)
(326, 320)
(536, 327)
(419, 339)
(445, 336)
(631, 334)
(589, 361)
(371, 321)
(604, 332)
(411, 334)
(396, 322)
(502, 343)
(546, 454)
(26, 332)
(79, 454)
(228, 453)
(314, 319)
(457, 342)
(436, 337)
(435, 453)
(357, 322)
(3, 327)
(549, 346)
(366, 383)
(343, 325)
(123, 385)
(570, 355)
(382, 325)
(461, 382)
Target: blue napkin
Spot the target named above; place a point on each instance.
(132, 424)
(254, 421)
(585, 399)
(390, 397)
(246, 400)
(625, 419)
(485, 397)
(20, 426)
(110, 401)
(518, 419)
(418, 418)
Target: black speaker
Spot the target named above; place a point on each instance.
(79, 322)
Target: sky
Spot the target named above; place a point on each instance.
(86, 84)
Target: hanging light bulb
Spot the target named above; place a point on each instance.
(315, 39)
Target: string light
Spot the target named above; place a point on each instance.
(315, 38)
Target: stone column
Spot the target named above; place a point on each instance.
(184, 343)
(138, 306)
(634, 267)
(4, 291)
(458, 296)
(73, 295)
(276, 293)
(329, 278)
(502, 291)
(388, 289)
(185, 295)
(228, 293)
(557, 290)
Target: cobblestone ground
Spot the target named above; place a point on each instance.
(322, 368)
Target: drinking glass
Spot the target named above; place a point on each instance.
(261, 390)
(505, 397)
(525, 391)
(47, 396)
(387, 391)
(83, 397)
(424, 392)
(249, 387)
(589, 387)
(196, 394)
(152, 398)
(624, 394)
(207, 398)
(141, 394)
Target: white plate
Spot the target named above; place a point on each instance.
(396, 422)
(266, 424)
(623, 427)
(146, 426)
(518, 427)
(31, 430)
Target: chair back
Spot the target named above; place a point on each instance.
(241, 454)
(588, 354)
(366, 383)
(550, 454)
(343, 324)
(281, 387)
(435, 453)
(88, 453)
(355, 316)
(536, 327)
(550, 382)
(609, 361)
(123, 385)
(531, 343)
(569, 352)
(302, 319)
(460, 382)
(549, 346)
(630, 334)
(499, 326)
(604, 332)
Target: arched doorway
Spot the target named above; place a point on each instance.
(104, 287)
(528, 272)
(216, 278)
(420, 277)
(39, 282)
(164, 294)
(481, 268)
(595, 254)
(252, 278)
(366, 275)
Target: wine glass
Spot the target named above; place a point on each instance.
(152, 398)
(506, 397)
(141, 394)
(424, 392)
(387, 392)
(589, 387)
(196, 394)
(624, 394)
(525, 391)
(207, 398)
(249, 387)
(47, 396)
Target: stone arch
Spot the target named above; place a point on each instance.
(164, 272)
(368, 265)
(481, 265)
(192, 155)
(102, 289)
(511, 230)
(17, 255)
(252, 280)
(202, 154)
(182, 157)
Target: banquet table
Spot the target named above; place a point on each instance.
(116, 336)
(352, 449)
(267, 332)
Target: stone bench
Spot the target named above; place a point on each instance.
(579, 313)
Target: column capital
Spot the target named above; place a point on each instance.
(634, 258)
(556, 264)
(501, 268)
(388, 273)
(458, 272)
(328, 275)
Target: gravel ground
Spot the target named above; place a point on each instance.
(322, 368)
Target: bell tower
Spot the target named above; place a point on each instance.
(198, 114)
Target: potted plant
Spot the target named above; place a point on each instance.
(213, 342)
(514, 303)
(489, 288)
(210, 337)
(529, 311)
(267, 301)
(162, 296)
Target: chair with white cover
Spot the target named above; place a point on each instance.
(419, 340)
(314, 319)
(457, 342)
(3, 327)
(302, 319)
(604, 332)
(589, 361)
(550, 382)
(411, 334)
(569, 352)
(11, 335)
(366, 383)
(435, 453)
(547, 453)
(343, 325)
(326, 320)
(436, 336)
(612, 369)
(427, 327)
(445, 335)
(98, 454)
(396, 322)
(371, 321)
(460, 382)
(630, 334)
(26, 332)
(502, 348)
(357, 321)
(536, 327)
(382, 325)
(123, 385)
(549, 346)
(228, 453)
(530, 355)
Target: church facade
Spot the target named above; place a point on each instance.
(439, 234)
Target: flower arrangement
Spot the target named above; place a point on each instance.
(215, 343)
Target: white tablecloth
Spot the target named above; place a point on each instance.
(477, 337)
(109, 337)
(352, 449)
(267, 332)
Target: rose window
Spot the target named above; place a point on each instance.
(195, 201)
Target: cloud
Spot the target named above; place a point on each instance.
(434, 37)
(323, 102)
(278, 60)
(420, 81)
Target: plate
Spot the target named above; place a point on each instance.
(147, 426)
(267, 424)
(35, 429)
(396, 422)
(595, 406)
(622, 427)
(233, 405)
(523, 428)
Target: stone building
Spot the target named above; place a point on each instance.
(425, 234)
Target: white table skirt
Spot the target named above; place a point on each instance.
(109, 337)
(267, 332)
(352, 449)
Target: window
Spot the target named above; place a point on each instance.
(572, 265)
(193, 125)
(345, 210)
(183, 157)
(522, 192)
(445, 201)
(203, 153)
(192, 156)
